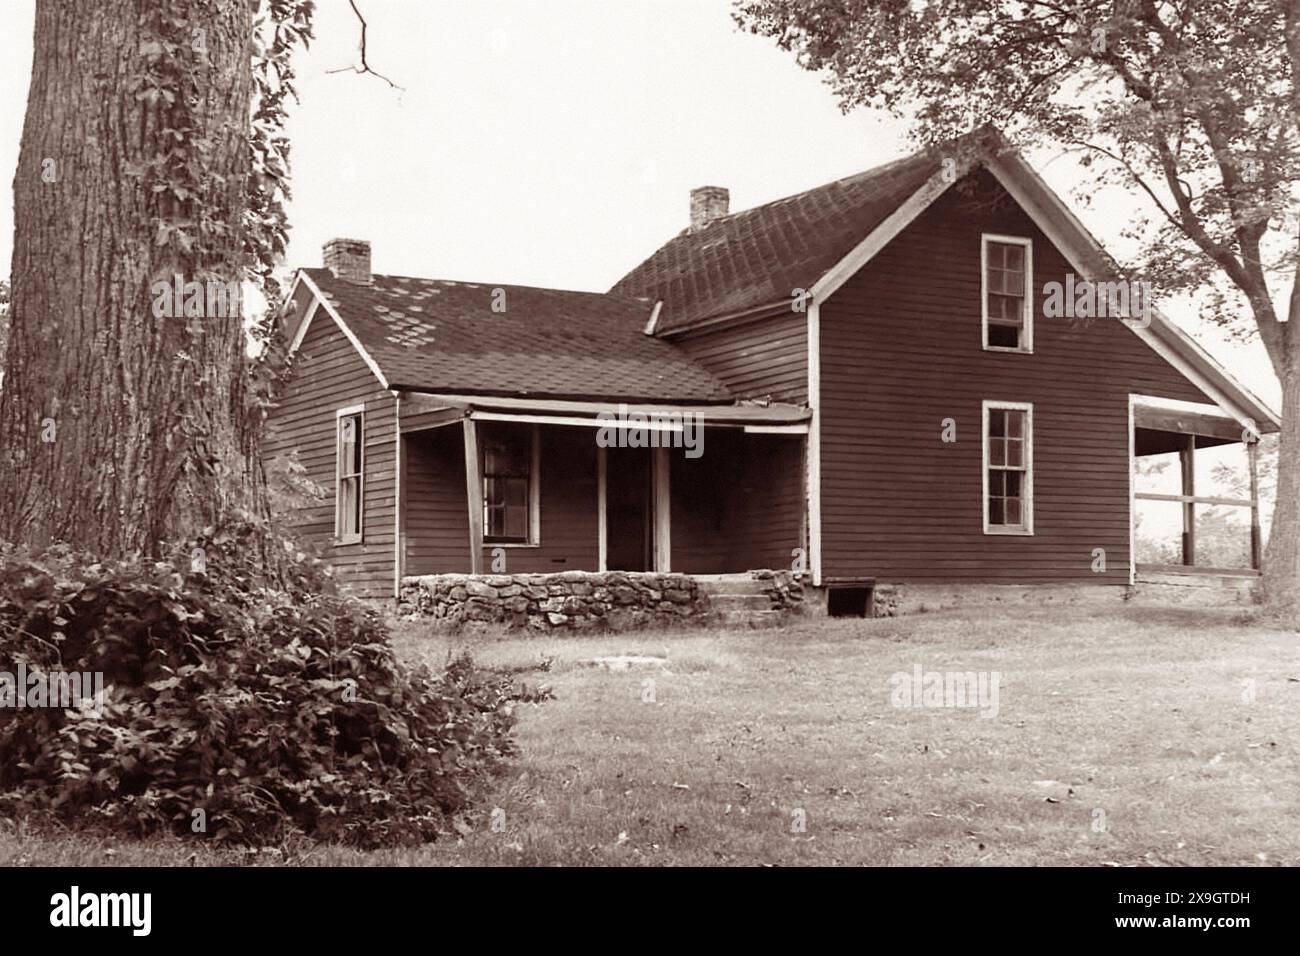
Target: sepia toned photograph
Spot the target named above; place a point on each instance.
(759, 434)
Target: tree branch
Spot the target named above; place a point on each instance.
(364, 67)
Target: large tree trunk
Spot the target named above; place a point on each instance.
(1282, 560)
(120, 430)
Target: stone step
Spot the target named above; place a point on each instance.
(740, 602)
(733, 586)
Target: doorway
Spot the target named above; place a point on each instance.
(629, 536)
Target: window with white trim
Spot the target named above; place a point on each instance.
(1007, 284)
(350, 458)
(1008, 468)
(509, 455)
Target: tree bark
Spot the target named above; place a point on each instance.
(119, 430)
(1282, 559)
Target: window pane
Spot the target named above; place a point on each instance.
(350, 445)
(997, 451)
(996, 513)
(1014, 452)
(349, 506)
(507, 467)
(1015, 424)
(1013, 482)
(1013, 511)
(997, 422)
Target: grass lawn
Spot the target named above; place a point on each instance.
(1125, 735)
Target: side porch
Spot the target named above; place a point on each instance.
(1187, 530)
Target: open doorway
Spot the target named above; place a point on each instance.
(629, 537)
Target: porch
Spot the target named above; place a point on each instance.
(1167, 548)
(517, 486)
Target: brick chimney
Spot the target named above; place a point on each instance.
(707, 204)
(349, 259)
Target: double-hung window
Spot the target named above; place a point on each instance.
(1008, 468)
(1008, 303)
(510, 501)
(349, 474)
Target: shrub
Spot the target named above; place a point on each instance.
(235, 710)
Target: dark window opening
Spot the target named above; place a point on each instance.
(1004, 336)
(848, 602)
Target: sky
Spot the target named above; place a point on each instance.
(556, 143)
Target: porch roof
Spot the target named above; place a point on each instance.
(421, 411)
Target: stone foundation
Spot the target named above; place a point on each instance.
(892, 600)
(568, 600)
(782, 588)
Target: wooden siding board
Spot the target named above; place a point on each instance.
(756, 357)
(437, 522)
(329, 374)
(902, 351)
(739, 506)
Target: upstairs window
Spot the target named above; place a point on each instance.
(1007, 288)
(509, 455)
(350, 458)
(1008, 468)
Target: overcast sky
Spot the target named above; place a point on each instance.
(553, 143)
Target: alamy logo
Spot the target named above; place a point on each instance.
(65, 690)
(947, 689)
(74, 909)
(213, 299)
(1098, 300)
(655, 429)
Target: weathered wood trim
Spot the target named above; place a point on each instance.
(399, 502)
(663, 512)
(653, 321)
(338, 320)
(1187, 466)
(813, 447)
(602, 512)
(360, 535)
(1132, 491)
(1027, 312)
(1028, 507)
(1196, 499)
(474, 496)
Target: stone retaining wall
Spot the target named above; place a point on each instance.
(567, 600)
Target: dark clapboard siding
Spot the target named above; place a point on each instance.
(739, 506)
(756, 357)
(901, 351)
(329, 374)
(437, 520)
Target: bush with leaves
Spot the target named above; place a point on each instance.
(234, 710)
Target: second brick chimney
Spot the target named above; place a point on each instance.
(349, 259)
(707, 204)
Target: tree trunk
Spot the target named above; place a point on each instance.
(1282, 560)
(120, 429)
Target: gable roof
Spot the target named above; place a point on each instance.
(758, 257)
(817, 239)
(428, 335)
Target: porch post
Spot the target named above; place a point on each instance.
(474, 495)
(1252, 459)
(602, 511)
(1186, 460)
(662, 510)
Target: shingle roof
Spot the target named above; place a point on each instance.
(432, 335)
(760, 256)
